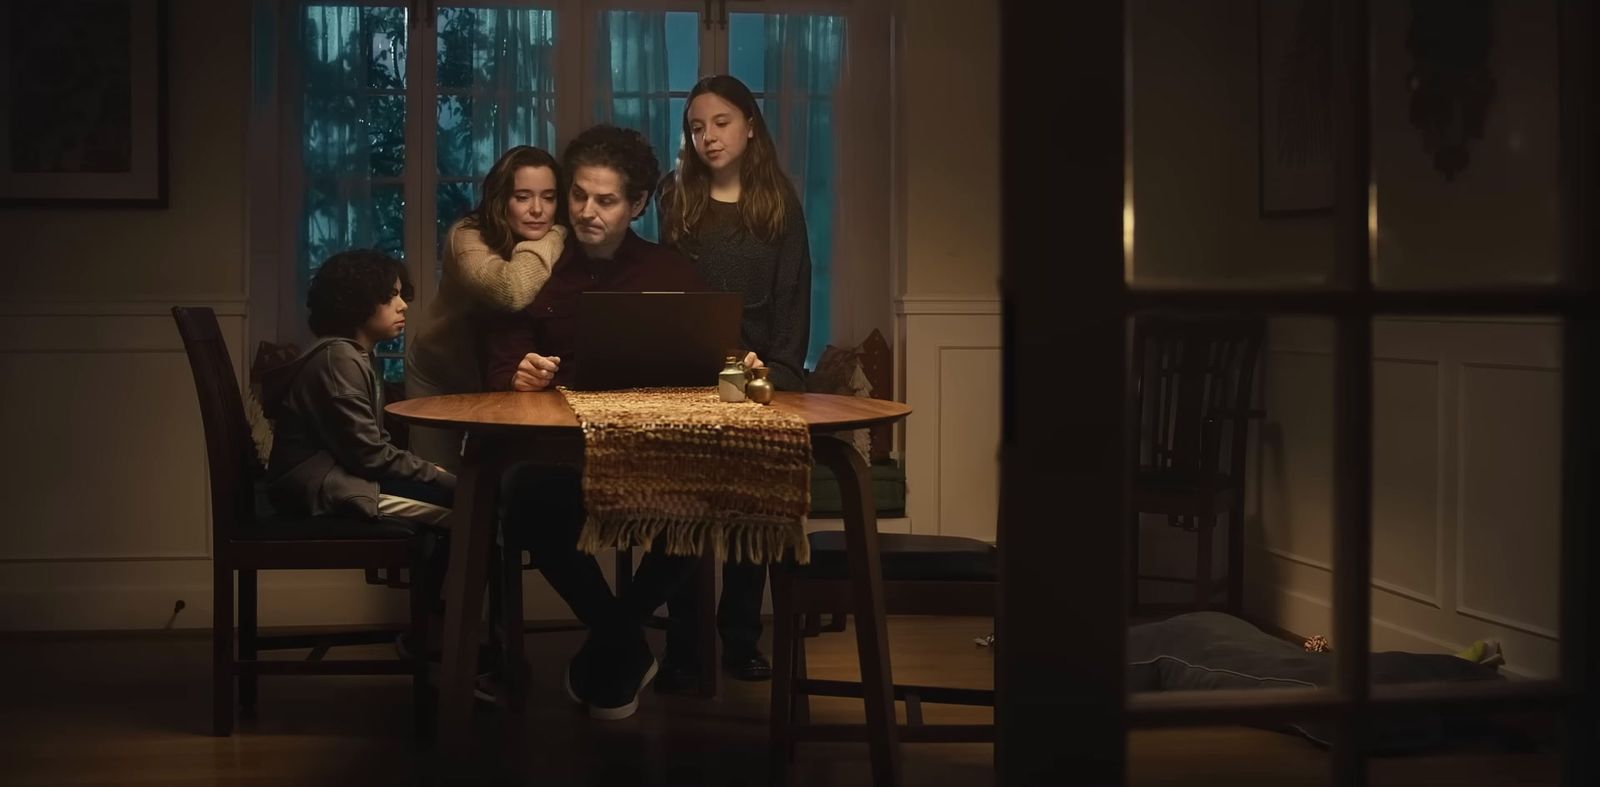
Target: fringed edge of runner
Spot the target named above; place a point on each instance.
(754, 541)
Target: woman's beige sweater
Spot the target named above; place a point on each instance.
(440, 355)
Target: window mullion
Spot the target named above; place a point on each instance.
(713, 45)
(574, 28)
(1352, 443)
(421, 48)
(291, 321)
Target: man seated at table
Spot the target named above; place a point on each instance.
(611, 172)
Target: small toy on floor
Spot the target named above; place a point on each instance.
(1484, 651)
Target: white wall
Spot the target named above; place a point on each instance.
(1467, 447)
(1466, 485)
(1497, 222)
(107, 471)
(1194, 141)
(947, 339)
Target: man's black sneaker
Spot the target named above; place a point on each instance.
(618, 675)
(749, 665)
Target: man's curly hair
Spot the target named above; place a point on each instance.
(349, 288)
(621, 149)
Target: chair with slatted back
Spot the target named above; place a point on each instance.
(921, 575)
(1192, 384)
(246, 538)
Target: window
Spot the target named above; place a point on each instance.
(803, 55)
(352, 121)
(494, 89)
(389, 121)
(647, 63)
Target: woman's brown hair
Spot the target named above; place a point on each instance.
(489, 217)
(764, 191)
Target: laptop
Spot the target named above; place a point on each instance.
(654, 339)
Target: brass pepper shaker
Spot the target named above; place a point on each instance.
(731, 380)
(759, 389)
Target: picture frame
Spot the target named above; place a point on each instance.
(1294, 51)
(83, 116)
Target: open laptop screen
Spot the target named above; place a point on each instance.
(654, 339)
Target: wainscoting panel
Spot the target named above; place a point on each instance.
(1296, 455)
(1465, 488)
(949, 359)
(1510, 522)
(1405, 494)
(107, 467)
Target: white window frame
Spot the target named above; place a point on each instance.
(864, 239)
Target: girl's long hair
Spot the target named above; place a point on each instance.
(764, 191)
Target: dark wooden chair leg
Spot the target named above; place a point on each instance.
(421, 696)
(706, 598)
(1133, 563)
(801, 714)
(222, 666)
(785, 630)
(247, 640)
(1235, 561)
(1202, 562)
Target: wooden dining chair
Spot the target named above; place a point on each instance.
(1192, 382)
(246, 538)
(921, 575)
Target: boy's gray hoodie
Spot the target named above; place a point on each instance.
(329, 447)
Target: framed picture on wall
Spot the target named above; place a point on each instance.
(1294, 50)
(83, 112)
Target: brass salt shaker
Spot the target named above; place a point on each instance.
(731, 380)
(759, 388)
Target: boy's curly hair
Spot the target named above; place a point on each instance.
(349, 287)
(621, 149)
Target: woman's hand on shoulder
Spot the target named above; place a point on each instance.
(550, 245)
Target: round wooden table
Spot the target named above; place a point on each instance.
(506, 427)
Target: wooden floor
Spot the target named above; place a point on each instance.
(134, 711)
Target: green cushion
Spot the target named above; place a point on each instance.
(888, 491)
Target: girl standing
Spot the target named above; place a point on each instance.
(729, 208)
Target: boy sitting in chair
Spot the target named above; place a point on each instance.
(330, 452)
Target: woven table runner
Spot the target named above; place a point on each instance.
(681, 467)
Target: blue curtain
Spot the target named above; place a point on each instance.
(804, 56)
(632, 87)
(496, 90)
(352, 121)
